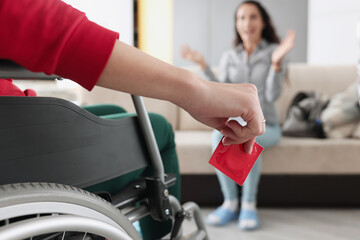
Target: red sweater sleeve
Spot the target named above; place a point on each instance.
(51, 36)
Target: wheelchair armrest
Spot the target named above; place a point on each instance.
(9, 69)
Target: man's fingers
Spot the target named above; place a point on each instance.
(250, 130)
(228, 132)
(228, 141)
(234, 133)
(248, 146)
(235, 137)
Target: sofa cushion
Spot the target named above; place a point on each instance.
(312, 156)
(290, 156)
(194, 152)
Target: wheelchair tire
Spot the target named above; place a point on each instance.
(46, 203)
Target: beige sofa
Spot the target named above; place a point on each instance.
(298, 170)
(291, 156)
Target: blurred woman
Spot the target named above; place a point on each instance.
(257, 58)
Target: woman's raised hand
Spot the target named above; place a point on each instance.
(285, 46)
(192, 55)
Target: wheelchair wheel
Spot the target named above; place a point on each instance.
(48, 211)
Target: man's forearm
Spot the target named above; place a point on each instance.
(133, 71)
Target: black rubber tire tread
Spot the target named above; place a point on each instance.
(20, 193)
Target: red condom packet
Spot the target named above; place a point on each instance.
(234, 162)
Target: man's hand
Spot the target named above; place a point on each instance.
(218, 101)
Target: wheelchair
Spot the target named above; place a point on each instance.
(52, 149)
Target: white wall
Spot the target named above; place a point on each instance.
(116, 15)
(332, 31)
(208, 26)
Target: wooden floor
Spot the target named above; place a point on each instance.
(293, 224)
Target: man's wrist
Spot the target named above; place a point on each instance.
(185, 90)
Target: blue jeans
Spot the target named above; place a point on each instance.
(228, 187)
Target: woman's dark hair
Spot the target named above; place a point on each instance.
(268, 33)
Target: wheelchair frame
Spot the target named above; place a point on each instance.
(62, 208)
